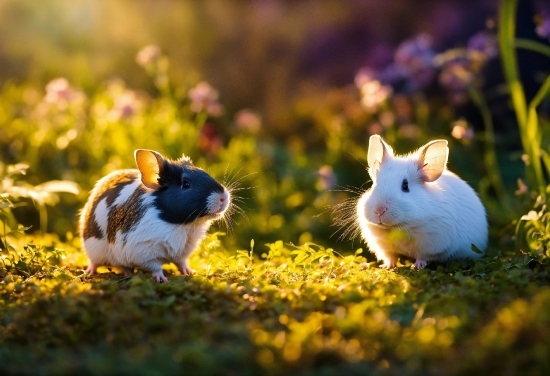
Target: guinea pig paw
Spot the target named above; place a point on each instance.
(185, 269)
(388, 264)
(159, 277)
(420, 264)
(92, 269)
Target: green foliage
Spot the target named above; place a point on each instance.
(533, 230)
(13, 188)
(277, 309)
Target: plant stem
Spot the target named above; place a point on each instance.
(526, 115)
(490, 155)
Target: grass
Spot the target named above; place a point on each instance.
(277, 309)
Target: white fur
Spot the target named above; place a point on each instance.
(126, 192)
(217, 203)
(153, 242)
(434, 221)
(101, 215)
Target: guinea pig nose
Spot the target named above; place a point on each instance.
(379, 210)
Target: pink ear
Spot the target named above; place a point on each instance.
(378, 151)
(149, 163)
(432, 159)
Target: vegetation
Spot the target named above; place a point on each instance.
(258, 304)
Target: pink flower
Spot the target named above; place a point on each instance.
(373, 93)
(205, 98)
(522, 188)
(248, 120)
(126, 105)
(148, 55)
(461, 131)
(364, 76)
(60, 93)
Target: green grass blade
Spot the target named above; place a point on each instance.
(532, 45)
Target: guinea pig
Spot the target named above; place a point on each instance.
(418, 208)
(156, 214)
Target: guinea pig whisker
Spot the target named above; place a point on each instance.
(190, 215)
(349, 189)
(345, 218)
(229, 173)
(235, 183)
(240, 211)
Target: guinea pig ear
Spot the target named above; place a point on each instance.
(378, 152)
(150, 164)
(432, 159)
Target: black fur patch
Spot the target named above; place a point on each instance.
(182, 205)
(109, 191)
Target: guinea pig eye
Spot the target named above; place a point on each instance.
(405, 185)
(185, 184)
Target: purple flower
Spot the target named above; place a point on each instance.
(413, 58)
(205, 98)
(543, 24)
(456, 76)
(485, 43)
(460, 67)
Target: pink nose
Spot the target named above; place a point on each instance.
(380, 210)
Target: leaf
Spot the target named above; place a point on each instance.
(58, 186)
(5, 204)
(476, 249)
(19, 168)
(18, 191)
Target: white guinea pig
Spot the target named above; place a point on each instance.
(153, 215)
(418, 208)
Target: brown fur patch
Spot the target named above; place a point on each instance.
(123, 216)
(109, 190)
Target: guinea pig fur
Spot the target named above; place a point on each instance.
(418, 208)
(153, 215)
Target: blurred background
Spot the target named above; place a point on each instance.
(297, 87)
(263, 54)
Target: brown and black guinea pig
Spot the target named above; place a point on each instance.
(156, 214)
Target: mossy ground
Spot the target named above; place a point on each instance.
(277, 309)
